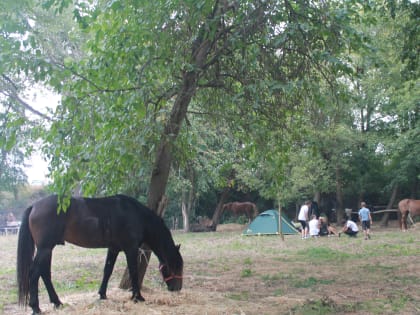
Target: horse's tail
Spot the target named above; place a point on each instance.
(25, 253)
(402, 207)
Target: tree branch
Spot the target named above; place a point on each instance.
(14, 95)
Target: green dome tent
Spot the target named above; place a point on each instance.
(267, 223)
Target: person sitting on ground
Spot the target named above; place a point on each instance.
(314, 226)
(325, 228)
(350, 228)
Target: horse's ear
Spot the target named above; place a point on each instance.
(178, 246)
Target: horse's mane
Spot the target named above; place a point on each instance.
(157, 220)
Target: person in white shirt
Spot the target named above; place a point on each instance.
(314, 226)
(303, 218)
(350, 228)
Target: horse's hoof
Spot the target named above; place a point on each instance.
(58, 306)
(36, 311)
(138, 298)
(102, 296)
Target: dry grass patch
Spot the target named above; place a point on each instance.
(226, 273)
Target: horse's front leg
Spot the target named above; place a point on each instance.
(132, 263)
(111, 257)
(409, 217)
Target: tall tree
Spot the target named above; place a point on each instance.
(126, 97)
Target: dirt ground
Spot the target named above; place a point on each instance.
(226, 273)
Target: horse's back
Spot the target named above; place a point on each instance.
(89, 222)
(414, 206)
(411, 205)
(84, 222)
(102, 222)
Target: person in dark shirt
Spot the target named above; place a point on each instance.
(314, 209)
(325, 228)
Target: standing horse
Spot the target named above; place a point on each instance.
(249, 209)
(119, 223)
(408, 207)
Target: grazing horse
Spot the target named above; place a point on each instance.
(249, 209)
(119, 223)
(408, 207)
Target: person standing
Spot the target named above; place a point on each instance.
(313, 209)
(366, 219)
(303, 218)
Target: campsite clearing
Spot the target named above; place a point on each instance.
(227, 273)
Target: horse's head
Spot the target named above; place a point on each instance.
(172, 271)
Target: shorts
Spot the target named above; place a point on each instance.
(365, 225)
(351, 232)
(303, 223)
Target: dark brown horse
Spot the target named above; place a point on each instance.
(248, 209)
(119, 223)
(408, 207)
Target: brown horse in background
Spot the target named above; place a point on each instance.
(248, 209)
(408, 207)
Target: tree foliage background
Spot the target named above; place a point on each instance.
(274, 101)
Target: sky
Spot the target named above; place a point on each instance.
(42, 100)
(37, 169)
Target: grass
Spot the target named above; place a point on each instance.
(311, 282)
(246, 273)
(252, 275)
(323, 254)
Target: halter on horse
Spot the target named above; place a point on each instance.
(119, 223)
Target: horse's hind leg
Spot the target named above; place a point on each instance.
(34, 274)
(109, 266)
(46, 277)
(404, 220)
(41, 267)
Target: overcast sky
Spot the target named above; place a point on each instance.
(41, 100)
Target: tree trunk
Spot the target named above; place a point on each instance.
(219, 208)
(385, 218)
(339, 195)
(317, 197)
(163, 159)
(185, 216)
(187, 207)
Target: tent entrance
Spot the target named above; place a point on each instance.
(267, 223)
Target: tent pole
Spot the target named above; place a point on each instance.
(280, 229)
